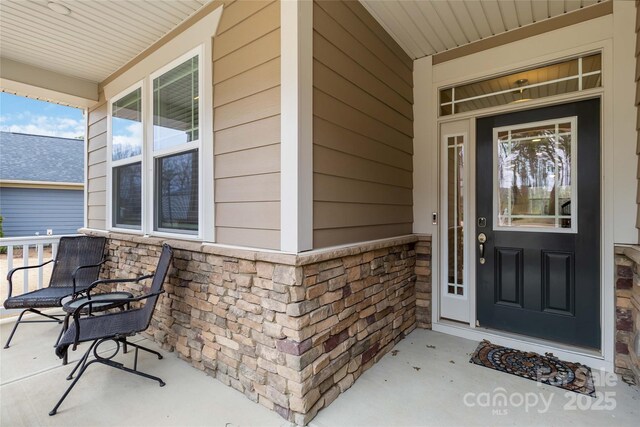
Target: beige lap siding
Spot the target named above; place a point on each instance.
(637, 102)
(97, 167)
(363, 128)
(246, 100)
(246, 124)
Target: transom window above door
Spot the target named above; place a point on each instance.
(535, 170)
(571, 75)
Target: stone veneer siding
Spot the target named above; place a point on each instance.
(423, 281)
(291, 332)
(627, 280)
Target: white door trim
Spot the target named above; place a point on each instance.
(579, 38)
(604, 359)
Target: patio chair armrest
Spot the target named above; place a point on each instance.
(109, 281)
(135, 279)
(78, 311)
(75, 272)
(13, 270)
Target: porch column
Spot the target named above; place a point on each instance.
(296, 149)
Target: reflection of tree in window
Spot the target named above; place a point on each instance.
(178, 191)
(127, 207)
(126, 126)
(535, 176)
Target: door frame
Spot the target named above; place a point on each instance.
(603, 359)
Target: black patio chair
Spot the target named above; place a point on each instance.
(76, 267)
(114, 327)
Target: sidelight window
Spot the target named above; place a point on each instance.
(455, 214)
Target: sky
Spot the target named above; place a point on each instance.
(25, 115)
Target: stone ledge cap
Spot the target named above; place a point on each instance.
(266, 255)
(324, 254)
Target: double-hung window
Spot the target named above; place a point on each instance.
(156, 152)
(127, 131)
(175, 148)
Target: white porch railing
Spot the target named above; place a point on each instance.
(26, 243)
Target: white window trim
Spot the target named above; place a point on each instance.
(579, 77)
(574, 177)
(113, 164)
(204, 145)
(151, 155)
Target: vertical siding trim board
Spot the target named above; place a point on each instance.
(296, 151)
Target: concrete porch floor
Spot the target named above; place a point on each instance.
(427, 380)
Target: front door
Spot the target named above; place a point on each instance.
(538, 223)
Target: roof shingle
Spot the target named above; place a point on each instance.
(41, 158)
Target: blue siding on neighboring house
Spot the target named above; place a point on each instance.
(27, 211)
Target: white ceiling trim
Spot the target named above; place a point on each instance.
(46, 85)
(94, 40)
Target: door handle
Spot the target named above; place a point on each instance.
(482, 238)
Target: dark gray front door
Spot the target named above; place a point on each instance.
(538, 205)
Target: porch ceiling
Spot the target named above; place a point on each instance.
(95, 39)
(425, 28)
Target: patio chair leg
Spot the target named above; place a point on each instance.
(32, 310)
(65, 326)
(148, 350)
(107, 362)
(124, 340)
(82, 361)
(13, 331)
(64, 396)
(131, 371)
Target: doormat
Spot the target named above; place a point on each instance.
(546, 369)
